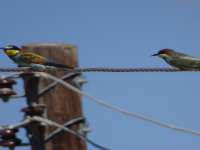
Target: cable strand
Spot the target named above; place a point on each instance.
(96, 69)
(121, 110)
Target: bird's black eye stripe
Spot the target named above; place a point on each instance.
(161, 52)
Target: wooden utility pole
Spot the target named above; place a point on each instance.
(62, 104)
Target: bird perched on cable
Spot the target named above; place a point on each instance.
(179, 60)
(27, 59)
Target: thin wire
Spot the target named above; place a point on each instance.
(55, 124)
(97, 69)
(121, 110)
(13, 75)
(18, 96)
(16, 126)
(55, 133)
(21, 69)
(52, 85)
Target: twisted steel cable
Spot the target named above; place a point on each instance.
(139, 69)
(97, 69)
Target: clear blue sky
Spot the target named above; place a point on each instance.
(121, 33)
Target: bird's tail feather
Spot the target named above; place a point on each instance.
(58, 65)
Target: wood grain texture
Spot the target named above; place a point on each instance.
(62, 104)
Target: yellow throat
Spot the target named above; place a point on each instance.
(11, 52)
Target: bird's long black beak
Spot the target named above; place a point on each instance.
(1, 48)
(155, 54)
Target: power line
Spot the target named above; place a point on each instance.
(119, 109)
(133, 69)
(57, 132)
(53, 85)
(95, 69)
(59, 126)
(16, 126)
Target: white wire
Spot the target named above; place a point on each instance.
(59, 126)
(119, 109)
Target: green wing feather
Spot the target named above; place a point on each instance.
(32, 58)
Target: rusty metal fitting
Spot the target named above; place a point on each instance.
(8, 133)
(36, 110)
(7, 83)
(10, 143)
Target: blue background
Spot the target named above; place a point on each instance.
(121, 33)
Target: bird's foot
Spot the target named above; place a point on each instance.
(38, 67)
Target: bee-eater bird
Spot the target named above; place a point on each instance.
(26, 59)
(179, 60)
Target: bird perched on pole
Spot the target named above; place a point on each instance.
(27, 59)
(179, 60)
